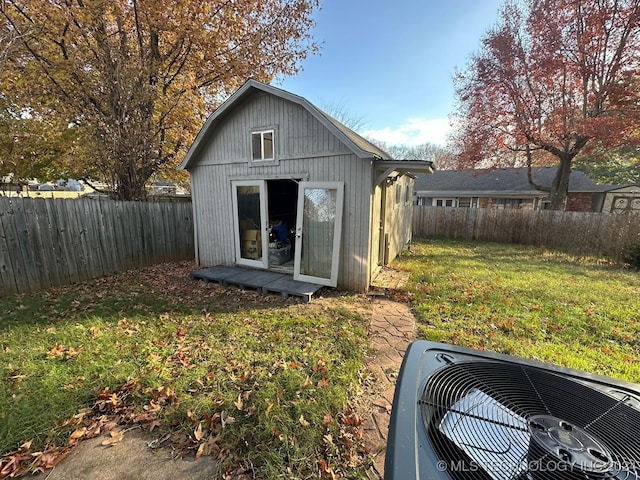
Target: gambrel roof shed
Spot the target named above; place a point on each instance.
(277, 184)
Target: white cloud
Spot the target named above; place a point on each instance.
(415, 131)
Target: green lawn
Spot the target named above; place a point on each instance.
(258, 381)
(529, 302)
(267, 384)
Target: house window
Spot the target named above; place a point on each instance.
(444, 202)
(506, 203)
(262, 145)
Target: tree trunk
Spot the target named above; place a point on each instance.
(560, 184)
(131, 177)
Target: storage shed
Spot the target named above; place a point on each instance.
(279, 185)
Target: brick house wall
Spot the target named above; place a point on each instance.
(579, 202)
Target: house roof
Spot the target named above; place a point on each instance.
(361, 147)
(614, 188)
(503, 181)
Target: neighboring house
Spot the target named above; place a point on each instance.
(162, 187)
(619, 199)
(278, 184)
(503, 188)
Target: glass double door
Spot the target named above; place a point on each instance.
(316, 234)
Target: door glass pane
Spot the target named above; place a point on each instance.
(249, 222)
(319, 224)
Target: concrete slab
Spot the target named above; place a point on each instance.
(131, 458)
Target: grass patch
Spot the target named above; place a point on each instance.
(529, 302)
(257, 380)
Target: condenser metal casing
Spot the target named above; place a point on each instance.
(460, 413)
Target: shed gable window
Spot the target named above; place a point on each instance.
(262, 145)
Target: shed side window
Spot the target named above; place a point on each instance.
(398, 193)
(262, 145)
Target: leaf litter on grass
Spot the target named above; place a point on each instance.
(201, 366)
(527, 301)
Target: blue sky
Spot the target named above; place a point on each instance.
(390, 62)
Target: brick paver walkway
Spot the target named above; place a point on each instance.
(391, 331)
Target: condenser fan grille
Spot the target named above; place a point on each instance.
(502, 421)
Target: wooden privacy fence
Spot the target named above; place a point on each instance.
(46, 243)
(582, 233)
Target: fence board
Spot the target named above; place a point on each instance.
(7, 270)
(19, 263)
(46, 247)
(46, 243)
(582, 233)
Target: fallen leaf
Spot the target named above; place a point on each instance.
(197, 433)
(115, 436)
(153, 424)
(326, 421)
(57, 351)
(303, 422)
(226, 419)
(77, 434)
(200, 451)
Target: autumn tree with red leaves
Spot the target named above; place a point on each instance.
(553, 78)
(134, 79)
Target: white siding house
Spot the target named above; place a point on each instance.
(620, 199)
(279, 185)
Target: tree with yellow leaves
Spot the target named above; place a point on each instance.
(134, 79)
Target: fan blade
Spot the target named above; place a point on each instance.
(495, 438)
(625, 474)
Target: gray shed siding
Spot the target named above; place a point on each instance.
(213, 209)
(298, 134)
(304, 149)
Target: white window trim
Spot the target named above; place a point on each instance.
(263, 161)
(444, 200)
